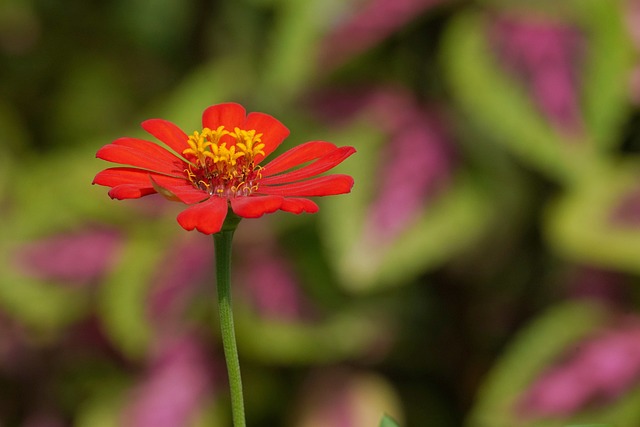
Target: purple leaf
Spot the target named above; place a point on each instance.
(78, 258)
(546, 57)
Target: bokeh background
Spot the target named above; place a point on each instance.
(483, 273)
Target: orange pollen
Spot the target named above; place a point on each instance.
(222, 162)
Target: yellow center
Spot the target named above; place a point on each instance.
(221, 168)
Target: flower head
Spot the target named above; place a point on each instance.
(218, 167)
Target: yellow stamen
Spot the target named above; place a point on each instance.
(225, 169)
(190, 174)
(248, 142)
(200, 143)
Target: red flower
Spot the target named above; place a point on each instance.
(220, 167)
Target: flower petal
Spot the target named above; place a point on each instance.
(255, 206)
(229, 115)
(122, 175)
(174, 190)
(142, 154)
(297, 206)
(328, 185)
(117, 176)
(126, 183)
(129, 191)
(297, 155)
(206, 217)
(321, 165)
(131, 183)
(273, 132)
(168, 133)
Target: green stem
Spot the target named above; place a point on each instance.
(222, 242)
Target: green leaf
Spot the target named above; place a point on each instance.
(605, 78)
(495, 102)
(387, 421)
(45, 307)
(532, 350)
(535, 349)
(145, 23)
(443, 227)
(123, 295)
(339, 337)
(13, 132)
(92, 99)
(589, 425)
(581, 224)
(104, 409)
(61, 179)
(505, 109)
(296, 34)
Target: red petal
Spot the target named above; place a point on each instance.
(300, 154)
(206, 217)
(328, 185)
(142, 154)
(127, 183)
(129, 191)
(168, 133)
(321, 165)
(229, 115)
(182, 190)
(125, 180)
(117, 176)
(273, 132)
(255, 206)
(297, 206)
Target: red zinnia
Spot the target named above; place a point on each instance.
(219, 166)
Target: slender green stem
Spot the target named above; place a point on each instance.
(222, 241)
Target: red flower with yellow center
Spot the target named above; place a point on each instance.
(219, 167)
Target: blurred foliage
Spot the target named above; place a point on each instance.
(491, 236)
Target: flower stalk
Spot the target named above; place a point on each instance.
(222, 241)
